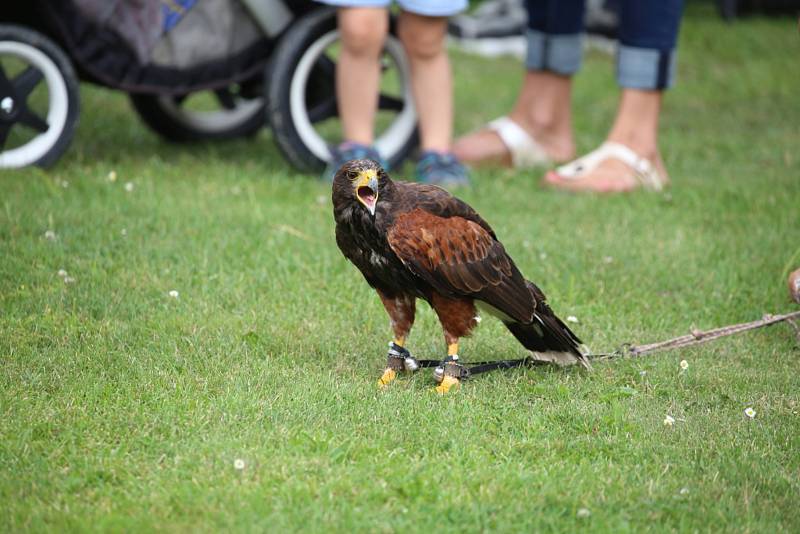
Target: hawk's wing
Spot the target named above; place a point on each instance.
(437, 201)
(459, 257)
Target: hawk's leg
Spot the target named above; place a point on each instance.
(401, 310)
(458, 317)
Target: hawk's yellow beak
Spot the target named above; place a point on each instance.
(366, 186)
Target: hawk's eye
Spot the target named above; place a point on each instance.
(352, 175)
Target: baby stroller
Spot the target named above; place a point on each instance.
(195, 70)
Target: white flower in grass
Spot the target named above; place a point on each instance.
(684, 491)
(669, 420)
(584, 512)
(173, 294)
(112, 176)
(62, 273)
(129, 186)
(50, 235)
(607, 259)
(238, 464)
(572, 319)
(684, 365)
(69, 280)
(750, 412)
(123, 232)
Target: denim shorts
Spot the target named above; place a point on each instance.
(430, 8)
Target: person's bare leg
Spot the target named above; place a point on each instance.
(543, 109)
(363, 31)
(636, 123)
(431, 80)
(635, 126)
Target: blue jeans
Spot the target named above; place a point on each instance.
(648, 33)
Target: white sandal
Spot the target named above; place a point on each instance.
(525, 151)
(645, 172)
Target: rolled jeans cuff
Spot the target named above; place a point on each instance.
(561, 54)
(645, 68)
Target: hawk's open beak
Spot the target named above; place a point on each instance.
(367, 190)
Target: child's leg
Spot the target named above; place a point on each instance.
(431, 80)
(363, 31)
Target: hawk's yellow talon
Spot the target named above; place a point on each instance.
(387, 377)
(448, 383)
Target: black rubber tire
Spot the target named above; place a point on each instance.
(155, 115)
(302, 34)
(53, 52)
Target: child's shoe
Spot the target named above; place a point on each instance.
(347, 151)
(441, 168)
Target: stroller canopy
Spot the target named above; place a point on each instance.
(159, 46)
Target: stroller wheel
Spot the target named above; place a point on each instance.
(227, 113)
(39, 101)
(301, 103)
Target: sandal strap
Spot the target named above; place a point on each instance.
(643, 170)
(627, 156)
(576, 168)
(525, 150)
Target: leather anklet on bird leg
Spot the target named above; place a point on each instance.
(398, 359)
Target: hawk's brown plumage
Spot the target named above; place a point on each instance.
(418, 241)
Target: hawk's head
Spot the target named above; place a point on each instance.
(362, 181)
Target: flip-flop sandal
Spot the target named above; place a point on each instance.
(645, 172)
(525, 151)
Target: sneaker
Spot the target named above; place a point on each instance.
(441, 168)
(347, 151)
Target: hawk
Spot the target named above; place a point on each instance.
(416, 241)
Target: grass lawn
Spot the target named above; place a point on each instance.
(125, 409)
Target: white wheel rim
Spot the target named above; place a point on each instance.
(211, 121)
(390, 141)
(58, 105)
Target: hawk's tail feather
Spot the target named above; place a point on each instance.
(549, 338)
